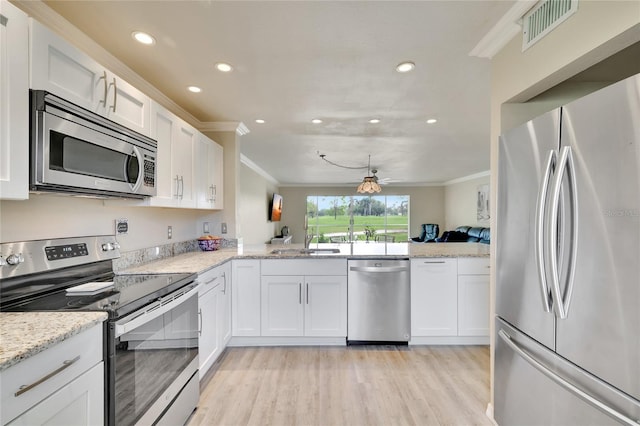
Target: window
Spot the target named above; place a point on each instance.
(360, 218)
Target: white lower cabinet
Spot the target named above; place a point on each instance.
(450, 301)
(434, 297)
(304, 305)
(214, 303)
(245, 297)
(473, 297)
(80, 402)
(63, 384)
(325, 313)
(282, 306)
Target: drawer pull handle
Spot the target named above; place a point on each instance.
(65, 364)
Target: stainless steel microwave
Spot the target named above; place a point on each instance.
(76, 151)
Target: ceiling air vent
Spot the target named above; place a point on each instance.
(543, 18)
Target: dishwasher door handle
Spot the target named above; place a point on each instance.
(378, 268)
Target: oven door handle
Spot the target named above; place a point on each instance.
(155, 310)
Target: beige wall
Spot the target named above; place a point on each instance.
(598, 30)
(254, 195)
(426, 205)
(461, 203)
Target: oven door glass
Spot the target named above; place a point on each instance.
(151, 362)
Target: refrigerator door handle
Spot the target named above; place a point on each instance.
(539, 230)
(564, 383)
(565, 165)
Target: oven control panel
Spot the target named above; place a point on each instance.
(21, 258)
(66, 251)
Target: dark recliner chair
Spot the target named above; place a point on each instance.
(428, 234)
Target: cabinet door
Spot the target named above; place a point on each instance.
(245, 297)
(325, 306)
(176, 141)
(164, 130)
(216, 175)
(208, 173)
(282, 305)
(473, 305)
(209, 348)
(223, 310)
(182, 156)
(127, 105)
(61, 69)
(434, 297)
(14, 103)
(80, 402)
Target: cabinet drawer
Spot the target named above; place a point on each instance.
(211, 279)
(304, 267)
(85, 346)
(473, 266)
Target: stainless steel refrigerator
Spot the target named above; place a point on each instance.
(568, 264)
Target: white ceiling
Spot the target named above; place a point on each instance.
(334, 60)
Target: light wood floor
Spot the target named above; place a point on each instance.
(355, 385)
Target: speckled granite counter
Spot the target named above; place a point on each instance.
(24, 334)
(199, 261)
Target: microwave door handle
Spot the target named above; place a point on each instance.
(541, 210)
(140, 158)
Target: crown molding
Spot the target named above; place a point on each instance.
(224, 126)
(503, 31)
(259, 170)
(468, 178)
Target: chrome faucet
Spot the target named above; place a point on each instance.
(307, 240)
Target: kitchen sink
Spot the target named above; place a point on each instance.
(307, 251)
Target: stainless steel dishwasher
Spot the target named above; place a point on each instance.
(379, 307)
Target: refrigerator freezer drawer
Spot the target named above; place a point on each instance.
(526, 396)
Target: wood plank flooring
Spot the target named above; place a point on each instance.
(354, 385)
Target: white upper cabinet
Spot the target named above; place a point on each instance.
(61, 69)
(209, 173)
(176, 144)
(14, 103)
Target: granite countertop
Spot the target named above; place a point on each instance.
(24, 334)
(200, 261)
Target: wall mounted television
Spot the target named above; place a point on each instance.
(275, 209)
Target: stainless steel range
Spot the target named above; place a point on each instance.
(151, 336)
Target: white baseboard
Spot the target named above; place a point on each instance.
(449, 340)
(238, 341)
(489, 413)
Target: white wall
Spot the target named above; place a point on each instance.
(426, 205)
(255, 192)
(461, 203)
(56, 216)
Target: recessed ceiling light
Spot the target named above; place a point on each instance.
(194, 89)
(374, 121)
(316, 121)
(224, 67)
(432, 121)
(260, 121)
(143, 38)
(405, 66)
